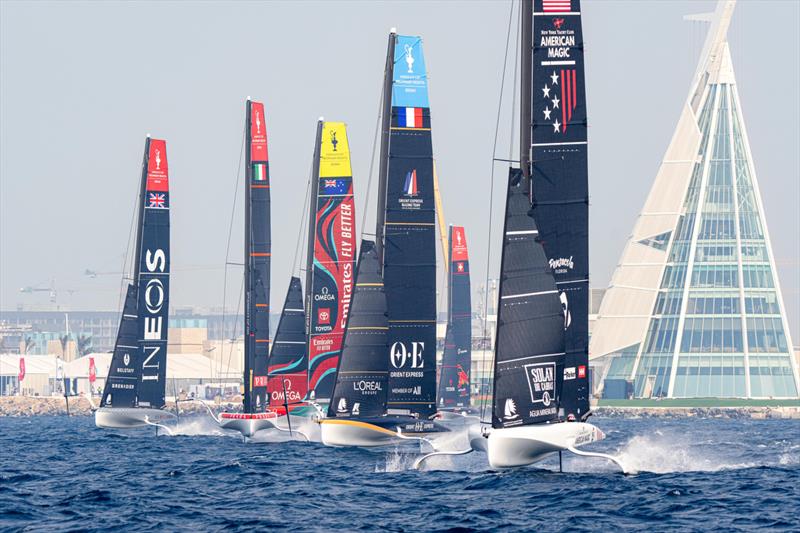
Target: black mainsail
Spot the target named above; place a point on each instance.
(406, 233)
(257, 253)
(137, 375)
(288, 365)
(541, 354)
(454, 374)
(361, 377)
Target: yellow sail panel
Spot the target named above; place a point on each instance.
(334, 154)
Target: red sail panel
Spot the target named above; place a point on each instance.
(258, 133)
(157, 168)
(458, 245)
(333, 259)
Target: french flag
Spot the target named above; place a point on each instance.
(410, 186)
(410, 117)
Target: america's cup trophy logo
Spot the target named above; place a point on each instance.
(158, 159)
(334, 142)
(458, 238)
(258, 122)
(409, 59)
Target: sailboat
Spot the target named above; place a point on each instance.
(134, 392)
(305, 354)
(257, 252)
(541, 379)
(454, 373)
(330, 257)
(386, 382)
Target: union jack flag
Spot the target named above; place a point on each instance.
(157, 200)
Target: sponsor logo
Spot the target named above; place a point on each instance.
(561, 265)
(367, 388)
(292, 395)
(324, 315)
(541, 382)
(510, 410)
(342, 406)
(399, 355)
(565, 309)
(584, 438)
(569, 373)
(356, 408)
(324, 296)
(158, 159)
(334, 142)
(258, 121)
(259, 381)
(409, 58)
(582, 371)
(557, 23)
(410, 186)
(126, 359)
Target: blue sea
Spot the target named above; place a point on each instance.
(63, 474)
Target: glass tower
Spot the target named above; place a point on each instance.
(708, 319)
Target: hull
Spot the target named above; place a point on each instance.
(374, 432)
(130, 417)
(248, 424)
(522, 446)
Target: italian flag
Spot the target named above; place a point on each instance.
(259, 172)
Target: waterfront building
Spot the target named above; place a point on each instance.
(694, 308)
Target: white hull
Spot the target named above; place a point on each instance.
(247, 426)
(353, 433)
(525, 445)
(130, 417)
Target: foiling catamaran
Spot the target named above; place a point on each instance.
(386, 381)
(134, 393)
(255, 414)
(541, 377)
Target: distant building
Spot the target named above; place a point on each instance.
(694, 308)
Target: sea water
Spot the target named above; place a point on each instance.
(59, 473)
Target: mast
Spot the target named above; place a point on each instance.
(312, 225)
(249, 341)
(383, 167)
(526, 82)
(257, 259)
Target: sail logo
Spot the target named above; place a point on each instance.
(158, 159)
(582, 372)
(324, 315)
(569, 373)
(259, 172)
(560, 96)
(561, 265)
(399, 355)
(324, 295)
(126, 359)
(562, 6)
(342, 406)
(460, 267)
(334, 142)
(367, 388)
(410, 186)
(155, 296)
(541, 382)
(510, 410)
(409, 58)
(258, 122)
(565, 309)
(557, 23)
(356, 409)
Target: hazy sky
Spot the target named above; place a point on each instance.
(81, 84)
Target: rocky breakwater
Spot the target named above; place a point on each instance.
(760, 412)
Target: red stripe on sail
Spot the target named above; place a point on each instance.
(574, 90)
(563, 105)
(569, 99)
